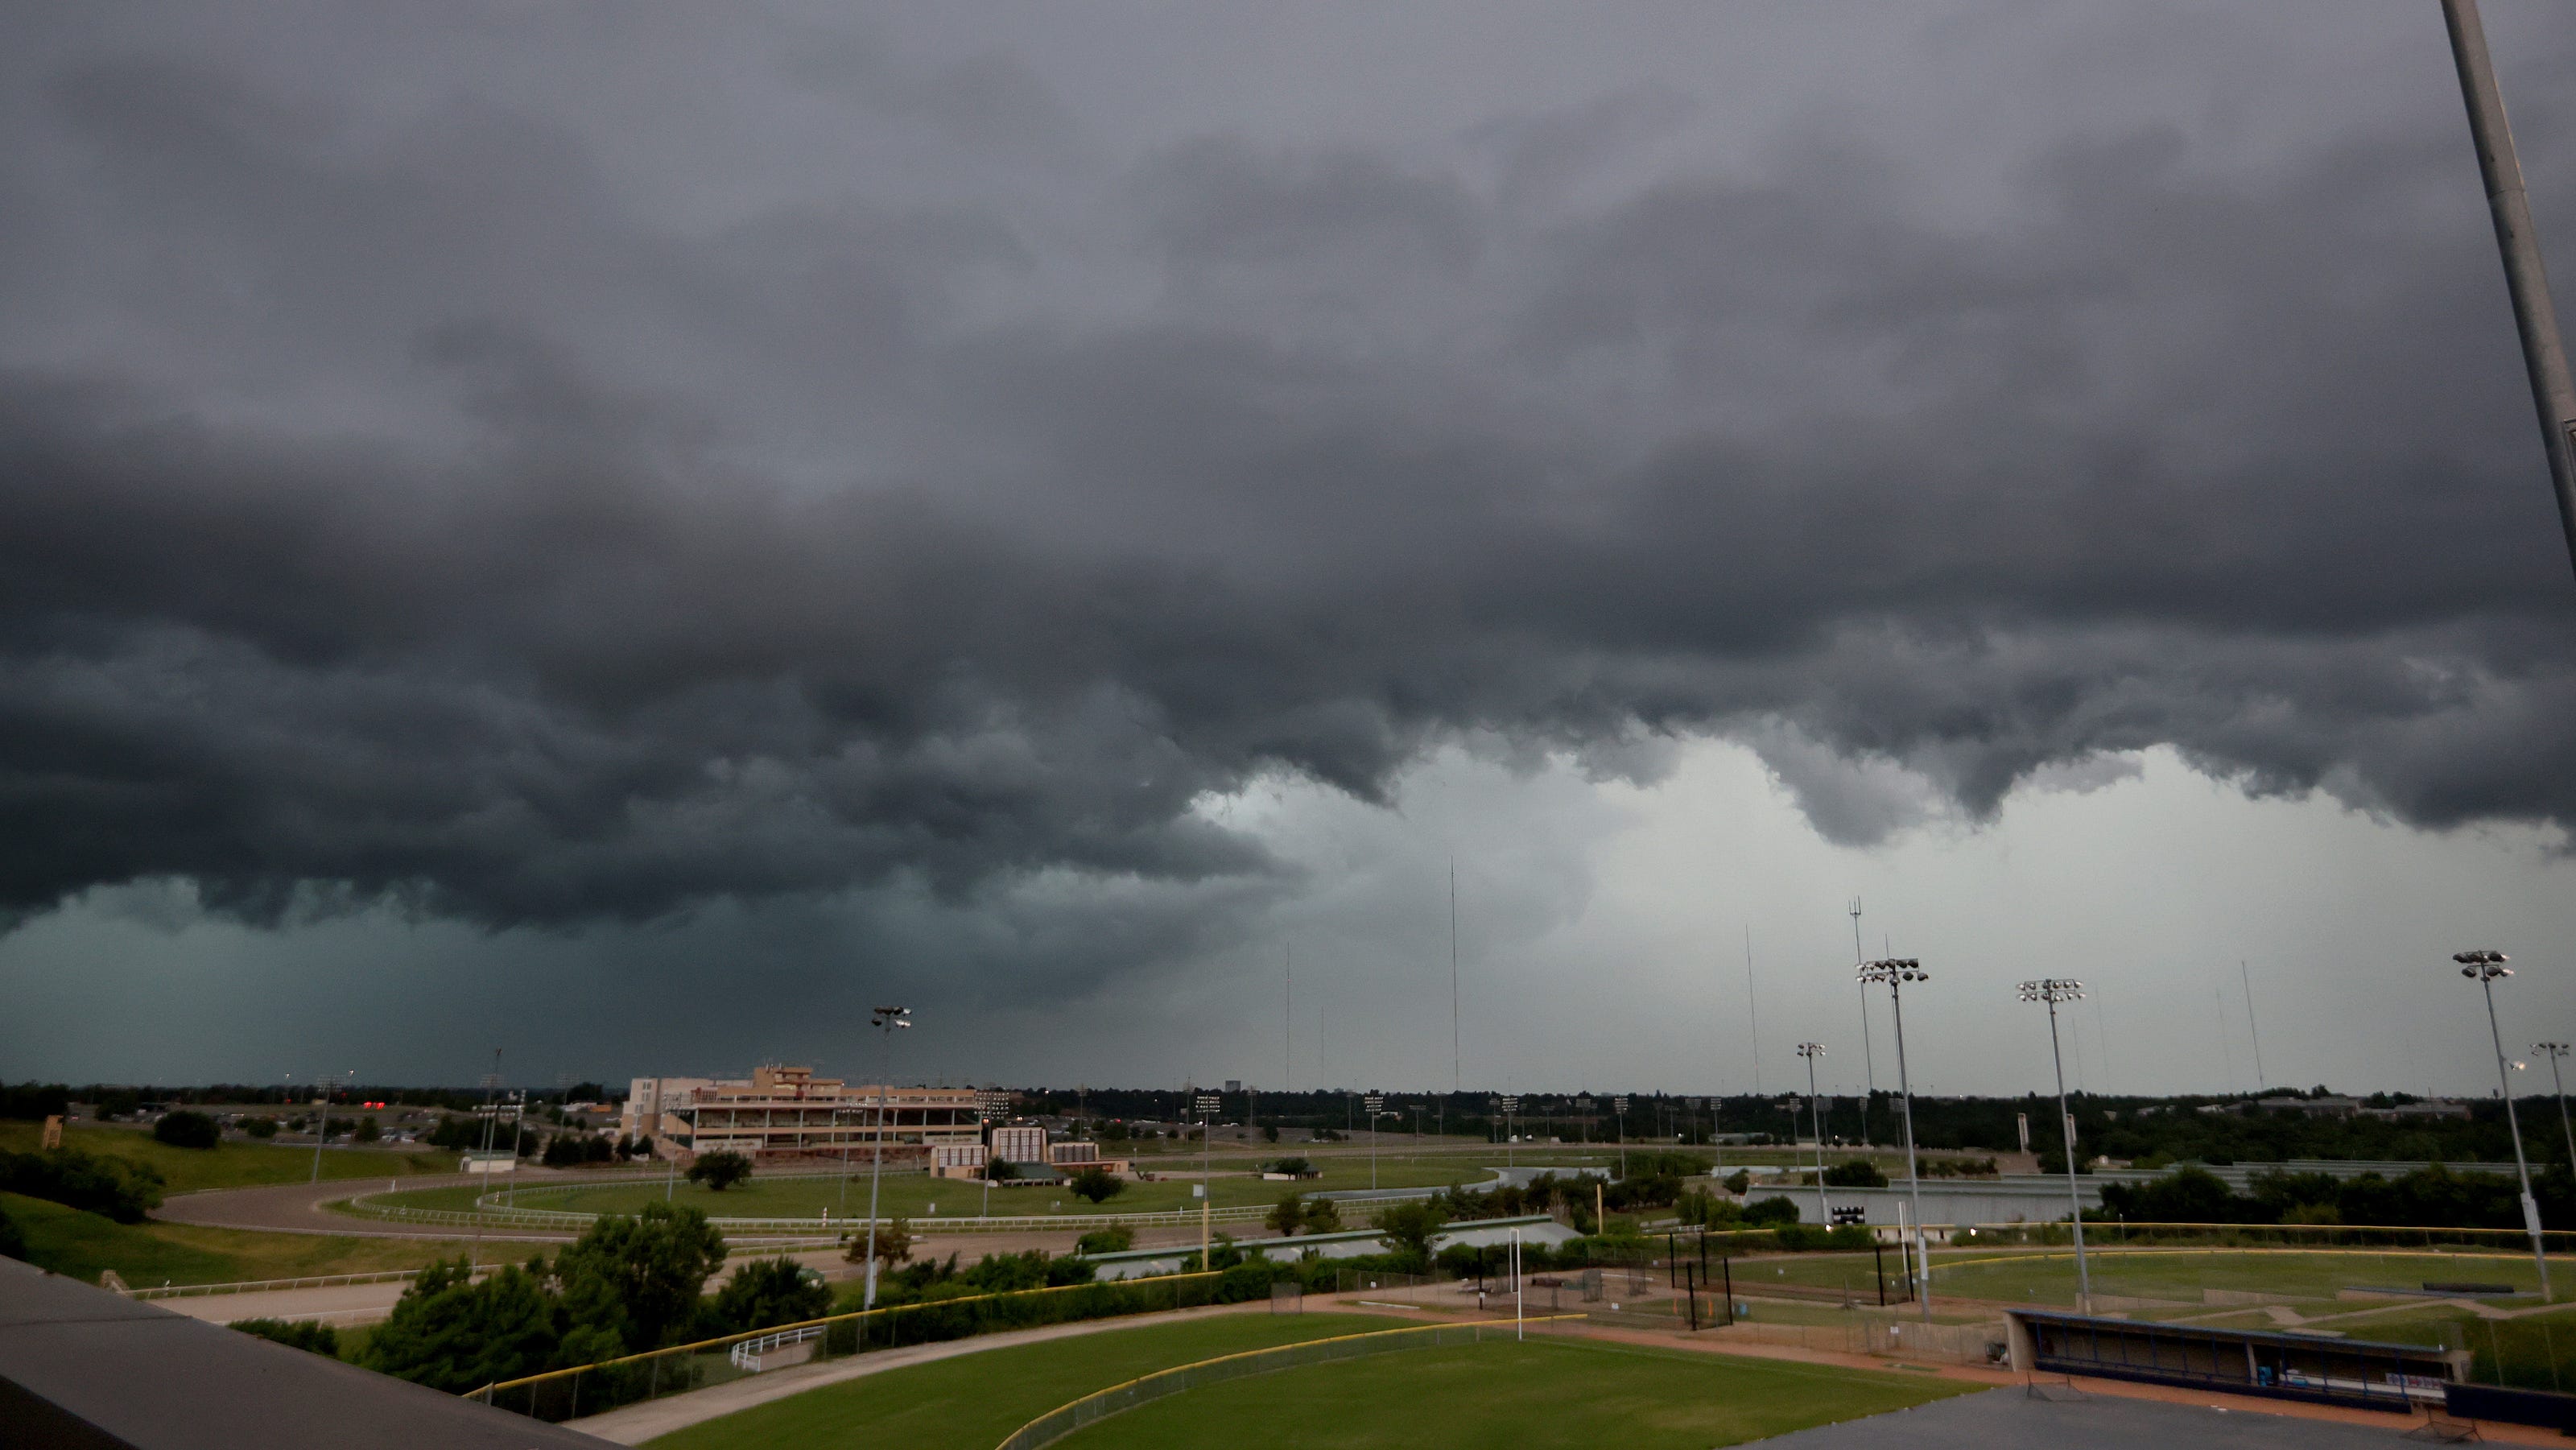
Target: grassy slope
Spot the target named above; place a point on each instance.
(233, 1164)
(972, 1401)
(78, 1244)
(911, 1194)
(1530, 1396)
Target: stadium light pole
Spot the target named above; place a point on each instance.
(1895, 972)
(2555, 1051)
(2053, 990)
(2544, 355)
(1811, 1051)
(1207, 1106)
(1376, 1105)
(2484, 967)
(886, 1020)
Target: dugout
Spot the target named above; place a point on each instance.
(2362, 1374)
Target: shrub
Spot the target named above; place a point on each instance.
(1106, 1241)
(1293, 1167)
(452, 1334)
(13, 1240)
(1097, 1184)
(122, 1190)
(319, 1339)
(1289, 1216)
(259, 1127)
(187, 1129)
(893, 1243)
(719, 1171)
(1771, 1211)
(369, 1130)
(1855, 1173)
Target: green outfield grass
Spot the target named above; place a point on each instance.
(911, 1195)
(233, 1164)
(973, 1400)
(79, 1245)
(1532, 1396)
(2047, 1276)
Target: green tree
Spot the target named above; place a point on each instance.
(1322, 1217)
(771, 1292)
(639, 1277)
(999, 1170)
(1855, 1173)
(184, 1128)
(453, 1334)
(719, 1171)
(369, 1130)
(259, 1127)
(1289, 1216)
(1771, 1211)
(1106, 1241)
(1097, 1184)
(319, 1339)
(893, 1243)
(1408, 1228)
(116, 1187)
(13, 1240)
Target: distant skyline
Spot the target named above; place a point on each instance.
(632, 536)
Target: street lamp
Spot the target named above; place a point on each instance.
(1895, 972)
(2555, 1051)
(1811, 1051)
(2483, 967)
(322, 1130)
(2053, 990)
(886, 1020)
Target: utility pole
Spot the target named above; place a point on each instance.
(886, 1020)
(2484, 967)
(1207, 1105)
(1457, 1075)
(2246, 974)
(2535, 317)
(1811, 1051)
(2052, 991)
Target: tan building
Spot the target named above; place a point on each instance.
(1021, 1144)
(788, 1113)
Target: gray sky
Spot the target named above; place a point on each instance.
(629, 533)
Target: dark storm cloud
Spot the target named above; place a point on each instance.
(432, 500)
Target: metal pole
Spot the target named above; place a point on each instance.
(2557, 1050)
(2544, 356)
(2530, 1205)
(1809, 1050)
(2074, 1194)
(885, 1020)
(1517, 1332)
(1868, 1061)
(323, 1131)
(1913, 1175)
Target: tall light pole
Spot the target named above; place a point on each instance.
(1894, 972)
(2053, 990)
(2555, 1051)
(1619, 1105)
(1811, 1051)
(886, 1020)
(2544, 356)
(1376, 1105)
(2484, 967)
(1511, 1104)
(1207, 1105)
(1868, 1061)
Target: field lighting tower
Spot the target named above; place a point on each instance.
(2483, 968)
(2053, 990)
(1376, 1105)
(1895, 972)
(886, 1020)
(1811, 1051)
(2554, 1051)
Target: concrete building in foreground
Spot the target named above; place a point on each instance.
(787, 1113)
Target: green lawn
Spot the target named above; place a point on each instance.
(2537, 1352)
(1532, 1396)
(912, 1195)
(2181, 1274)
(146, 1255)
(232, 1164)
(971, 1401)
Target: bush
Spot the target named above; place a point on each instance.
(319, 1339)
(454, 1335)
(1771, 1211)
(1855, 1173)
(13, 1240)
(719, 1171)
(369, 1130)
(187, 1129)
(1096, 1184)
(122, 1190)
(1293, 1167)
(1106, 1241)
(893, 1243)
(35, 1101)
(262, 1128)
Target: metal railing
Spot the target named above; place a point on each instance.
(263, 1286)
(563, 1393)
(1099, 1405)
(746, 1356)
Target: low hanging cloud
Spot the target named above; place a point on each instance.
(437, 501)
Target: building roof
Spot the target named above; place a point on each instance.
(89, 1370)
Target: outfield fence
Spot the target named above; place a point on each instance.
(1099, 1405)
(564, 1394)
